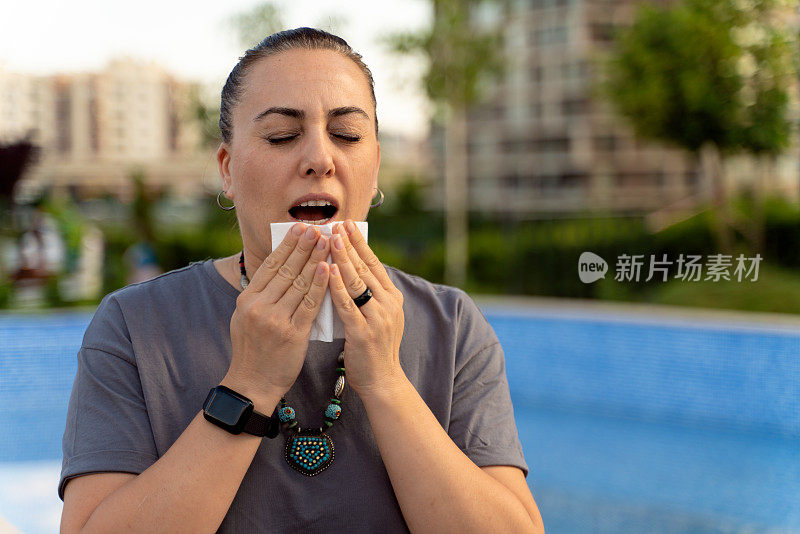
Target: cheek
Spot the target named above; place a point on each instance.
(260, 174)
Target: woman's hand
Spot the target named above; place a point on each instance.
(271, 325)
(372, 332)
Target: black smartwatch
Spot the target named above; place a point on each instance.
(235, 413)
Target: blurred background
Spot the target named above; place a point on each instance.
(516, 135)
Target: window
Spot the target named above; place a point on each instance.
(511, 181)
(555, 144)
(575, 70)
(601, 32)
(574, 106)
(605, 143)
(572, 180)
(549, 36)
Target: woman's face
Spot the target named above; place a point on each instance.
(304, 124)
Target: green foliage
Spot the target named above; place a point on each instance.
(253, 25)
(702, 71)
(6, 293)
(782, 223)
(142, 207)
(408, 197)
(513, 257)
(70, 224)
(777, 290)
(412, 238)
(206, 115)
(118, 238)
(460, 54)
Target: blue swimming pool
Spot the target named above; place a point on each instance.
(629, 423)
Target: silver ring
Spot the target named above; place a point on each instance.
(380, 201)
(220, 205)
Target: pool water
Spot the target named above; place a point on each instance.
(628, 423)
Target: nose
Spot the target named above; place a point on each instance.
(317, 159)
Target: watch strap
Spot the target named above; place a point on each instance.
(261, 425)
(257, 424)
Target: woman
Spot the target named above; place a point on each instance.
(427, 402)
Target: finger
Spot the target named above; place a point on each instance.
(291, 268)
(302, 284)
(343, 302)
(266, 271)
(370, 259)
(353, 281)
(311, 301)
(360, 267)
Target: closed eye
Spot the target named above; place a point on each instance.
(348, 138)
(281, 140)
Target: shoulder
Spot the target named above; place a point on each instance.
(163, 292)
(166, 281)
(416, 287)
(436, 301)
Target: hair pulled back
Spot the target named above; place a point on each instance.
(298, 38)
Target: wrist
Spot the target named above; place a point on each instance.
(391, 387)
(264, 401)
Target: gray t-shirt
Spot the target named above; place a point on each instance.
(154, 349)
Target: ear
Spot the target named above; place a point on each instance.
(377, 167)
(223, 161)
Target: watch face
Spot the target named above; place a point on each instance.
(228, 409)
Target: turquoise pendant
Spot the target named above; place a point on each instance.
(309, 451)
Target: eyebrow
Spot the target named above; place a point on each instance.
(300, 114)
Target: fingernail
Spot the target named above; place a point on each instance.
(310, 233)
(350, 227)
(320, 268)
(337, 242)
(321, 242)
(297, 229)
(335, 269)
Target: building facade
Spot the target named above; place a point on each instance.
(95, 129)
(543, 143)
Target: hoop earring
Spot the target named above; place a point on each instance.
(220, 205)
(380, 201)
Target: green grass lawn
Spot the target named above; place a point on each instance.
(775, 290)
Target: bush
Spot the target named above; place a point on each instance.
(505, 256)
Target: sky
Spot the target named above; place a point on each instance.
(193, 40)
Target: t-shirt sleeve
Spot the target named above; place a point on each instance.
(482, 416)
(107, 428)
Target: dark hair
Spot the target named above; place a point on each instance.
(303, 38)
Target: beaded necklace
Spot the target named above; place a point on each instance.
(308, 450)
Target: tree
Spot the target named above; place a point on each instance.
(711, 76)
(253, 25)
(250, 27)
(205, 114)
(462, 54)
(15, 159)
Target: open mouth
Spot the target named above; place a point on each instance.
(313, 212)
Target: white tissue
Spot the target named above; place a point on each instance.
(327, 326)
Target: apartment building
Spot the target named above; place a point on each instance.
(27, 108)
(95, 129)
(543, 143)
